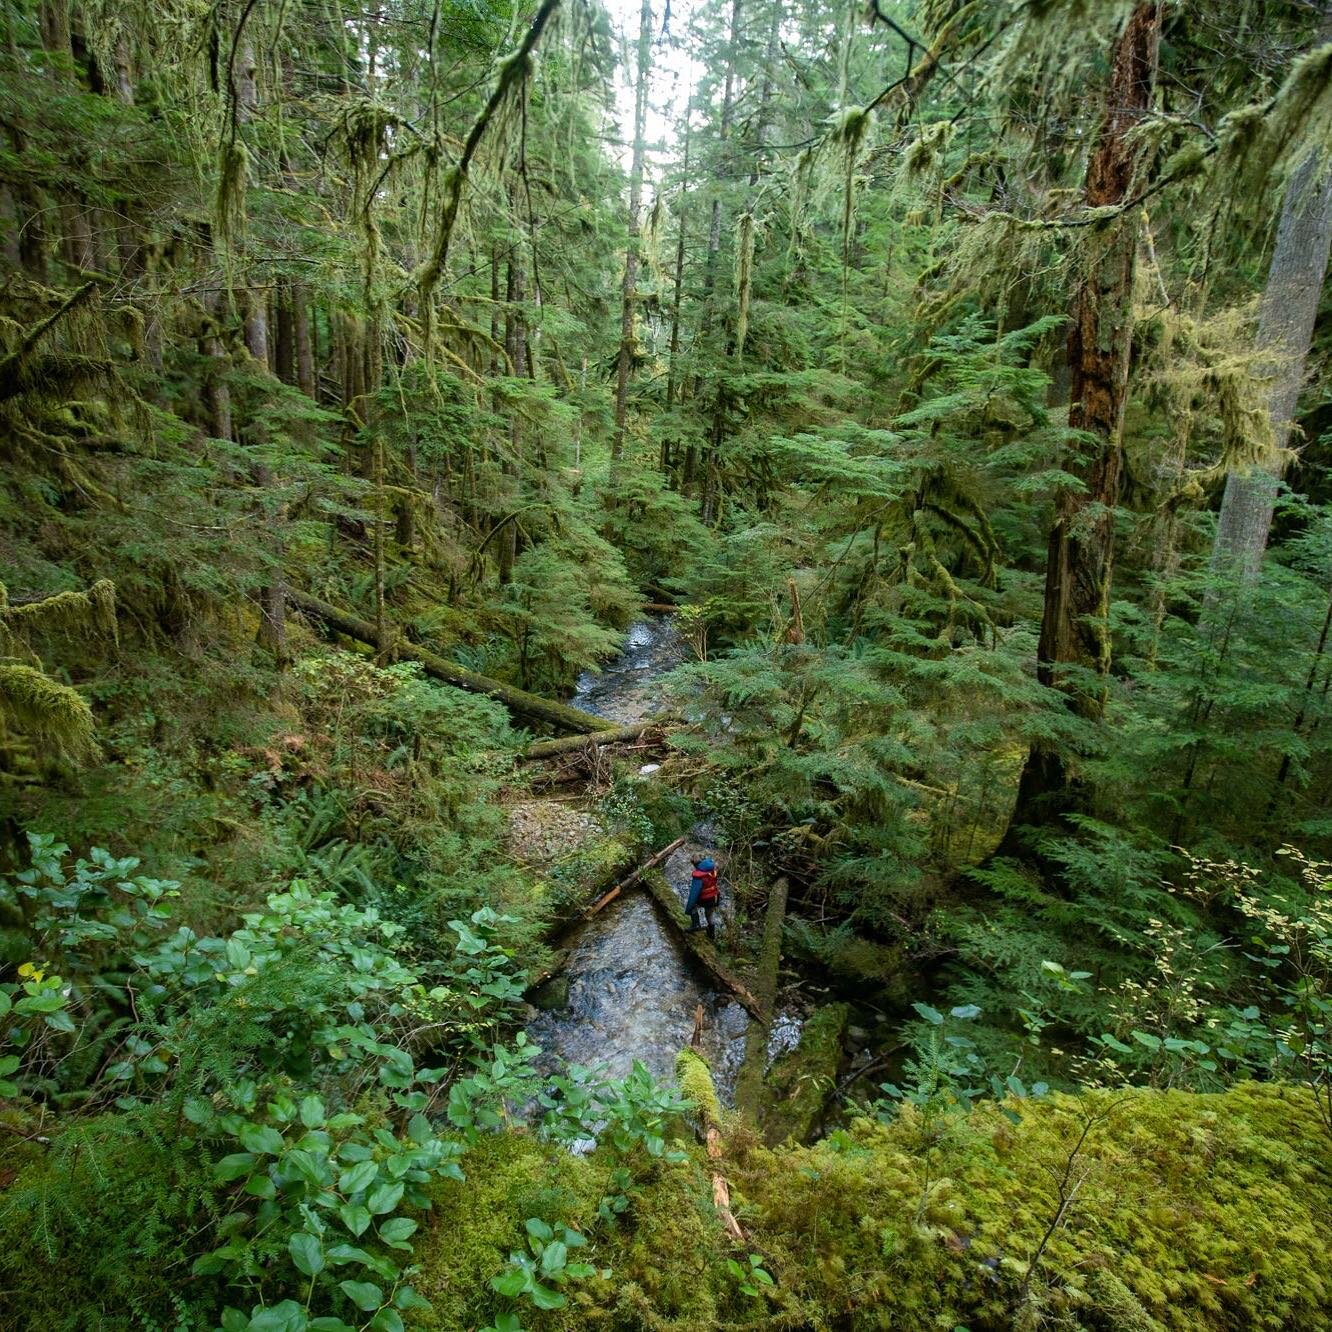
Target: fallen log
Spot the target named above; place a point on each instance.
(749, 1081)
(558, 715)
(570, 744)
(703, 953)
(630, 879)
(695, 1079)
(660, 607)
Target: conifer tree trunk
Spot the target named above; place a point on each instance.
(1285, 330)
(673, 386)
(272, 635)
(717, 433)
(628, 297)
(303, 339)
(515, 343)
(1080, 557)
(284, 352)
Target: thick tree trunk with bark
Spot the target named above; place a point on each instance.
(717, 433)
(1074, 632)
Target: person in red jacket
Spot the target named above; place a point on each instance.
(704, 895)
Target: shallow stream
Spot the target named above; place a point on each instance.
(632, 989)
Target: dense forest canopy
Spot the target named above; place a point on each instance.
(948, 382)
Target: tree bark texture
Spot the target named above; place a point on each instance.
(629, 292)
(1074, 632)
(1286, 319)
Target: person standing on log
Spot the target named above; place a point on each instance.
(704, 895)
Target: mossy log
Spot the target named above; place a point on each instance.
(533, 706)
(629, 880)
(749, 1082)
(695, 1079)
(702, 952)
(571, 744)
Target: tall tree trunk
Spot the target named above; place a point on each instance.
(302, 337)
(673, 385)
(711, 479)
(628, 297)
(217, 393)
(515, 343)
(1074, 631)
(284, 352)
(1285, 330)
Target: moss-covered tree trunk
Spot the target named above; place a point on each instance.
(1074, 651)
(1286, 320)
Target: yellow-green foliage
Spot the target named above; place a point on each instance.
(801, 1081)
(1190, 1212)
(664, 1256)
(52, 715)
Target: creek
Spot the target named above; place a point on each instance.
(633, 991)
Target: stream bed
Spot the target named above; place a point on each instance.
(632, 989)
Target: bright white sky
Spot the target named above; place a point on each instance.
(673, 69)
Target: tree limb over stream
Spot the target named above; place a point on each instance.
(558, 715)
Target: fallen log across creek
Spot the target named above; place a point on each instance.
(695, 1079)
(696, 944)
(571, 744)
(560, 716)
(630, 879)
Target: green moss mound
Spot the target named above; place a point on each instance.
(1180, 1212)
(1186, 1212)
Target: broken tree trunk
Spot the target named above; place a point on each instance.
(571, 744)
(558, 715)
(695, 1079)
(629, 880)
(749, 1082)
(703, 953)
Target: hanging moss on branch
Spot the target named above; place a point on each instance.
(52, 715)
(514, 72)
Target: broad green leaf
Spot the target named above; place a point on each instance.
(234, 1166)
(355, 1217)
(384, 1199)
(359, 1177)
(306, 1252)
(397, 1230)
(365, 1295)
(262, 1138)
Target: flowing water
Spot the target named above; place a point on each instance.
(633, 990)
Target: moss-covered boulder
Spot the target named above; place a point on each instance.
(1183, 1211)
(801, 1081)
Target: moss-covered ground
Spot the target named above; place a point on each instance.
(1142, 1210)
